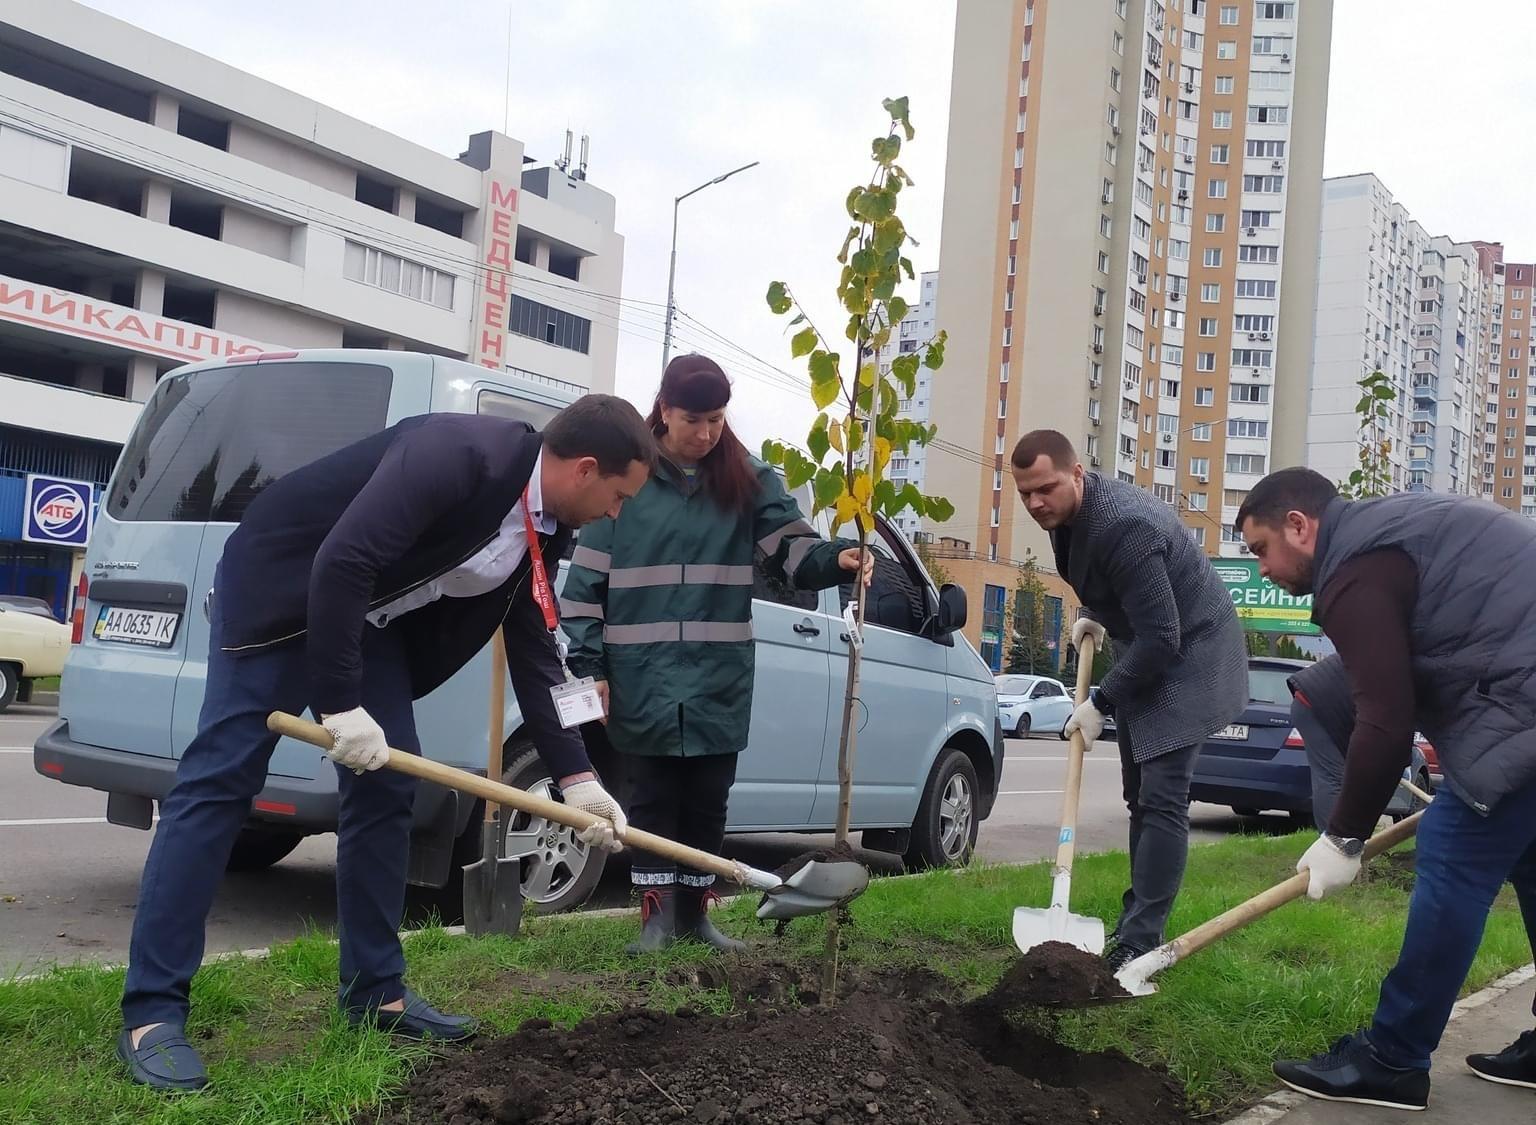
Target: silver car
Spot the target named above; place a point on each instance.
(1033, 705)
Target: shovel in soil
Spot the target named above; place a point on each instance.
(816, 886)
(1135, 978)
(493, 884)
(1033, 926)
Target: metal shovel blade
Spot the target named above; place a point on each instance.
(819, 885)
(493, 888)
(1033, 926)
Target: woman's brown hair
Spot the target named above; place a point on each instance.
(696, 383)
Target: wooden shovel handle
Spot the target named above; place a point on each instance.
(507, 796)
(1278, 895)
(493, 766)
(1066, 846)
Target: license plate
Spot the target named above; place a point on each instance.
(1236, 733)
(136, 626)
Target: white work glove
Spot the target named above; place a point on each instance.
(1088, 719)
(359, 741)
(1088, 627)
(590, 796)
(1330, 868)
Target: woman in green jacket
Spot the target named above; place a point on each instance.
(658, 607)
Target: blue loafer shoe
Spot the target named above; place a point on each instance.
(163, 1060)
(419, 1020)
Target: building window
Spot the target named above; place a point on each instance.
(1252, 357)
(1259, 220)
(1215, 223)
(1226, 49)
(553, 326)
(1268, 149)
(397, 275)
(1249, 393)
(1225, 84)
(1205, 361)
(1246, 463)
(1216, 189)
(1103, 262)
(1269, 10)
(1269, 255)
(1210, 292)
(1221, 154)
(1200, 431)
(1247, 428)
(1200, 468)
(1114, 79)
(1264, 185)
(1269, 114)
(1205, 396)
(1251, 287)
(1213, 256)
(1170, 389)
(1221, 119)
(1229, 15)
(1199, 501)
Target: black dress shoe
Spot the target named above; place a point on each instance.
(418, 1020)
(163, 1060)
(1515, 1065)
(1350, 1071)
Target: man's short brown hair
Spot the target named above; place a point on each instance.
(606, 428)
(1045, 443)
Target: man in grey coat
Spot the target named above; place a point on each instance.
(1181, 672)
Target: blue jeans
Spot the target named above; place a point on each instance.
(223, 768)
(1463, 860)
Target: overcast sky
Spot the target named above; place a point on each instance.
(1430, 96)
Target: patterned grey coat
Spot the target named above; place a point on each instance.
(1181, 669)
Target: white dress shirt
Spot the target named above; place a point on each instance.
(486, 570)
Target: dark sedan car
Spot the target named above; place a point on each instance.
(1259, 763)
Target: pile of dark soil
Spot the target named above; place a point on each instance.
(892, 1051)
(1054, 975)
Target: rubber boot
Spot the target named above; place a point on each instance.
(693, 920)
(658, 921)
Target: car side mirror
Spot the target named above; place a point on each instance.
(952, 610)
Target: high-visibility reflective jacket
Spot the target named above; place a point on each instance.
(659, 603)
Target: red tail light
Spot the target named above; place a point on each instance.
(1293, 741)
(77, 619)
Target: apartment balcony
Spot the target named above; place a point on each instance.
(1424, 414)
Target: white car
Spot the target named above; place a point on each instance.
(1030, 704)
(30, 647)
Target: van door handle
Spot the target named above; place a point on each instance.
(805, 629)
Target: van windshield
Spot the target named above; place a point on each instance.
(208, 443)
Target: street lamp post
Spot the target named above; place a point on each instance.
(666, 344)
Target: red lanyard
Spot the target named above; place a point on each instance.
(541, 590)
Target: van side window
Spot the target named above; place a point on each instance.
(896, 593)
(500, 405)
(207, 443)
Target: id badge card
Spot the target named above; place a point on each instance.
(577, 702)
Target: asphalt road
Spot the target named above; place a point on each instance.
(68, 879)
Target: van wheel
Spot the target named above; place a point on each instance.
(559, 871)
(944, 833)
(10, 682)
(257, 849)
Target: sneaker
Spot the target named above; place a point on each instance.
(1120, 955)
(1515, 1065)
(1350, 1071)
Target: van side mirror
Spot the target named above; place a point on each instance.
(952, 610)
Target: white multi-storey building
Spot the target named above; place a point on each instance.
(159, 207)
(916, 329)
(1420, 308)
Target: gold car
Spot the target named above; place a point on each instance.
(30, 647)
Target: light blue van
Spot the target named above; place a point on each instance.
(214, 434)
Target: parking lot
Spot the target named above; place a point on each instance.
(68, 879)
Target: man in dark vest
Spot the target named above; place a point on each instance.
(1181, 672)
(353, 586)
(1416, 593)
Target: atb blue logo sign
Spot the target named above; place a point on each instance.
(57, 511)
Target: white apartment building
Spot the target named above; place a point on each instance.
(1418, 307)
(159, 207)
(917, 328)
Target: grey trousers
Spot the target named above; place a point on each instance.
(1157, 795)
(1326, 759)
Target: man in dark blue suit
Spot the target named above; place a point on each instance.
(354, 586)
